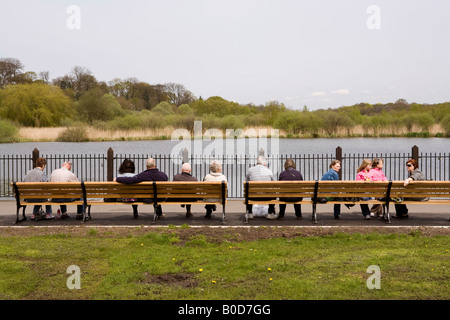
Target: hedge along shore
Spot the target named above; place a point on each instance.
(51, 134)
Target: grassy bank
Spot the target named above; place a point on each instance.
(172, 264)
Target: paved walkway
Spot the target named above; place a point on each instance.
(119, 215)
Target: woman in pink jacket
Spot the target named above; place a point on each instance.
(363, 175)
(376, 174)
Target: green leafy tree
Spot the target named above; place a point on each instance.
(8, 131)
(445, 123)
(96, 106)
(35, 104)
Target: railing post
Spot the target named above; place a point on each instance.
(339, 157)
(415, 153)
(110, 165)
(185, 155)
(35, 156)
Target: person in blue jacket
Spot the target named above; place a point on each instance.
(332, 174)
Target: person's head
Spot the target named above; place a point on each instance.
(289, 163)
(411, 165)
(41, 162)
(186, 167)
(127, 166)
(151, 163)
(215, 166)
(261, 160)
(377, 163)
(335, 165)
(67, 165)
(366, 164)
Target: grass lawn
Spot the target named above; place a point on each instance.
(169, 264)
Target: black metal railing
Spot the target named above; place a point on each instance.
(103, 167)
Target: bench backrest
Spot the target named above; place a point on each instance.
(275, 189)
(159, 189)
(53, 190)
(353, 189)
(418, 189)
(111, 190)
(345, 189)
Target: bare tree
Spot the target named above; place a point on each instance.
(83, 80)
(10, 69)
(178, 94)
(44, 76)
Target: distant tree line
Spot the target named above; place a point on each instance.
(32, 99)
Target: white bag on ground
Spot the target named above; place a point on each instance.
(260, 210)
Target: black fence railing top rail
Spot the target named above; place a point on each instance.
(103, 167)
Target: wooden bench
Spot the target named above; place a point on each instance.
(110, 193)
(342, 192)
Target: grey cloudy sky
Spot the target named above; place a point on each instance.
(320, 54)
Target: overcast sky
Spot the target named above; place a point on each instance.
(320, 54)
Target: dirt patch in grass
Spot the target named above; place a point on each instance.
(183, 280)
(218, 234)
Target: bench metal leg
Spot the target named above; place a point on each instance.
(24, 218)
(87, 216)
(386, 216)
(246, 215)
(154, 214)
(223, 214)
(314, 213)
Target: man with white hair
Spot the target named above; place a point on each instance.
(260, 172)
(65, 175)
(185, 175)
(151, 174)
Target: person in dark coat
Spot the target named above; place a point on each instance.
(185, 175)
(151, 174)
(290, 174)
(127, 169)
(414, 174)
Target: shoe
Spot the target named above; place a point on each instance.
(337, 217)
(249, 215)
(372, 214)
(64, 215)
(189, 214)
(367, 217)
(79, 216)
(207, 216)
(161, 216)
(280, 217)
(271, 216)
(49, 216)
(299, 217)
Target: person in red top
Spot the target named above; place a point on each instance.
(377, 174)
(363, 175)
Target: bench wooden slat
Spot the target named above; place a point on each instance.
(438, 191)
(93, 193)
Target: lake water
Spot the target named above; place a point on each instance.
(271, 146)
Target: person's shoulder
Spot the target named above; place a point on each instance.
(177, 177)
